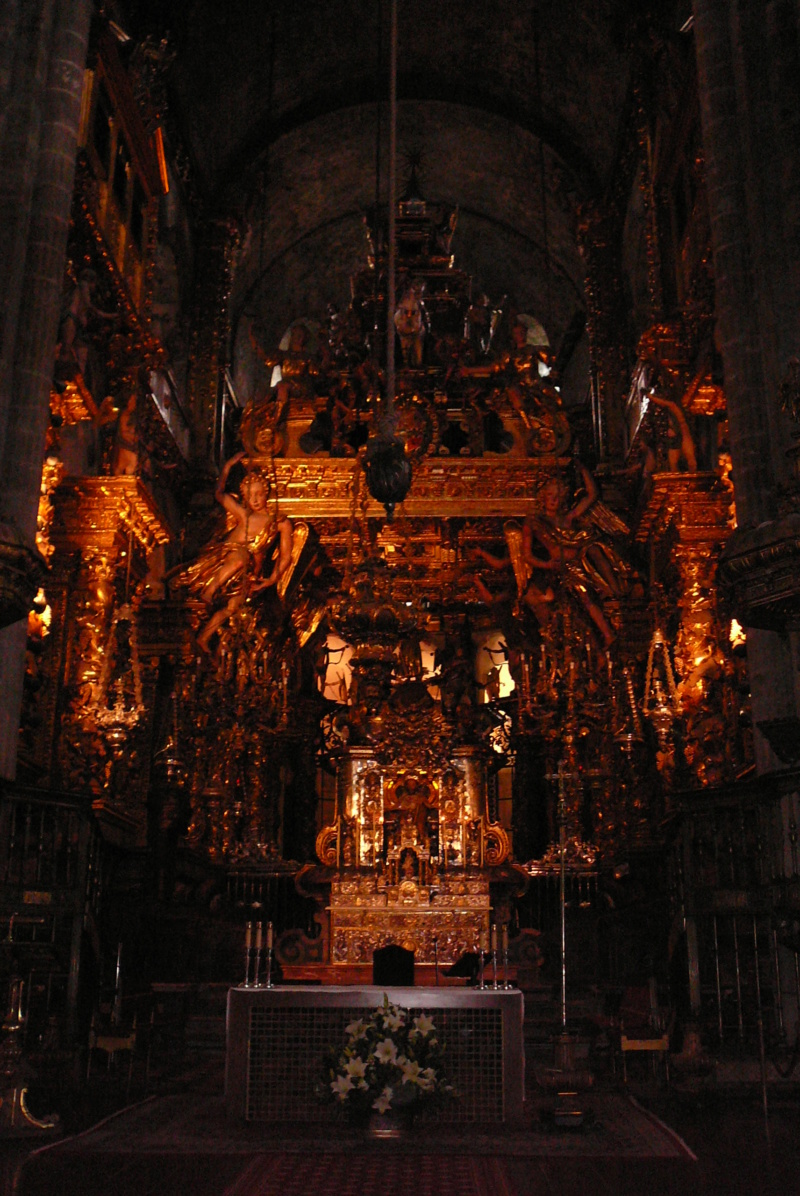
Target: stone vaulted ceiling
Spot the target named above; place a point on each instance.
(277, 102)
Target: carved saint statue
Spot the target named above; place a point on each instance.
(77, 313)
(567, 548)
(263, 428)
(230, 567)
(411, 324)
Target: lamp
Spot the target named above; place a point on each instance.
(119, 719)
(121, 667)
(660, 702)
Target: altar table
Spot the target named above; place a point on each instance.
(277, 1038)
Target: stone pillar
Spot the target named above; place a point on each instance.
(57, 35)
(724, 119)
(747, 59)
(25, 31)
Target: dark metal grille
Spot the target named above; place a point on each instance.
(287, 1046)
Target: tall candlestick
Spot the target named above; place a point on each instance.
(505, 956)
(269, 955)
(248, 950)
(482, 941)
(257, 955)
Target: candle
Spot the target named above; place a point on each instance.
(248, 936)
(258, 936)
(269, 936)
(505, 940)
(494, 936)
(484, 941)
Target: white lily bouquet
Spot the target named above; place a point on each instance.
(392, 1060)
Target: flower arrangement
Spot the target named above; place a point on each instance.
(389, 1061)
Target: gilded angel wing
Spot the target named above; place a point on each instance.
(299, 538)
(604, 518)
(522, 570)
(306, 608)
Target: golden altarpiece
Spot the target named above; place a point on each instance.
(313, 688)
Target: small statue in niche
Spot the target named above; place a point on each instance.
(409, 866)
(450, 795)
(337, 427)
(74, 345)
(410, 322)
(231, 566)
(444, 231)
(345, 347)
(680, 444)
(477, 325)
(531, 391)
(296, 362)
(125, 456)
(264, 421)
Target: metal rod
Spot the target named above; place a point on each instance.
(376, 218)
(392, 187)
(762, 1055)
(116, 1015)
(562, 840)
(737, 962)
(778, 985)
(40, 847)
(719, 987)
(12, 841)
(26, 839)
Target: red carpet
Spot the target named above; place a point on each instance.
(184, 1146)
(371, 1175)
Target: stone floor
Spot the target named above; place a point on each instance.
(737, 1152)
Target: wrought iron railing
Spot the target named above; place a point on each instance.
(50, 878)
(736, 895)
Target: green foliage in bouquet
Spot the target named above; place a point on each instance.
(388, 1061)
